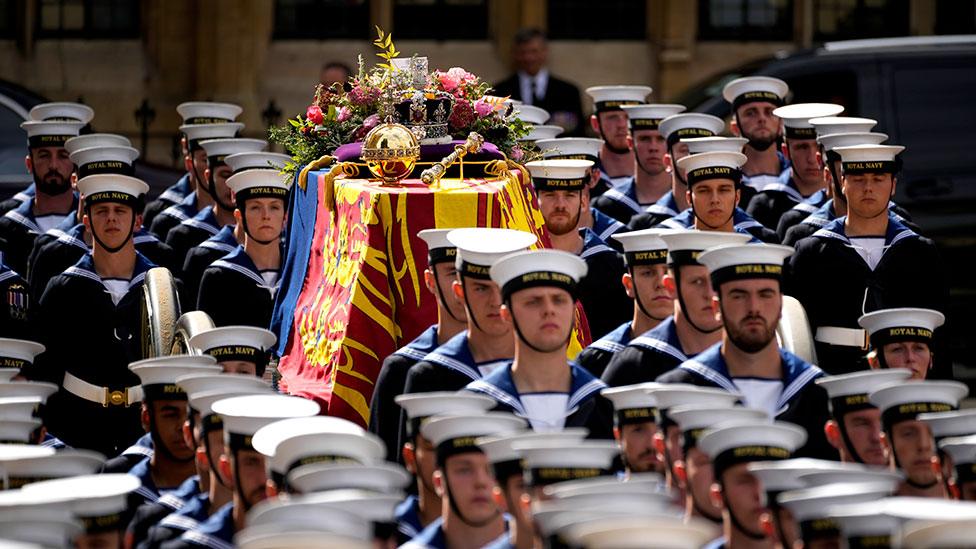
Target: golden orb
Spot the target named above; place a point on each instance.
(390, 151)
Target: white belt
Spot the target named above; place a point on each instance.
(846, 337)
(101, 395)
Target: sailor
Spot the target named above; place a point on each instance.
(646, 256)
(806, 172)
(651, 181)
(956, 423)
(469, 515)
(201, 256)
(753, 100)
(418, 511)
(749, 360)
(634, 427)
(609, 122)
(902, 338)
(731, 448)
(241, 465)
(384, 414)
(539, 290)
(237, 349)
(89, 319)
(910, 440)
(17, 357)
(882, 261)
(15, 303)
(208, 221)
(693, 326)
(855, 425)
(22, 467)
(560, 184)
(487, 342)
(584, 148)
(50, 166)
(962, 452)
(240, 287)
(811, 507)
(675, 130)
(193, 113)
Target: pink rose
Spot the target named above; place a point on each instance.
(371, 121)
(449, 82)
(516, 153)
(314, 114)
(483, 108)
(343, 114)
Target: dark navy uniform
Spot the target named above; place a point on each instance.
(665, 208)
(200, 257)
(174, 194)
(407, 517)
(384, 414)
(601, 291)
(801, 402)
(18, 230)
(431, 537)
(17, 199)
(798, 213)
(449, 367)
(773, 201)
(605, 226)
(233, 292)
(754, 184)
(835, 285)
(148, 513)
(646, 357)
(191, 232)
(15, 304)
(598, 354)
(216, 532)
(585, 407)
(138, 451)
(193, 513)
(172, 216)
(92, 339)
(621, 202)
(825, 214)
(742, 223)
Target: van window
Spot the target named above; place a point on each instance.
(839, 86)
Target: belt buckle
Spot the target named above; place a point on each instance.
(867, 341)
(114, 398)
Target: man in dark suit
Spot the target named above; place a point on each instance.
(533, 85)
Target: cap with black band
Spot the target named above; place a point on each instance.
(91, 140)
(418, 407)
(62, 112)
(50, 134)
(649, 117)
(796, 118)
(158, 380)
(479, 248)
(751, 89)
(901, 324)
(746, 442)
(457, 434)
(559, 175)
(861, 159)
(256, 160)
(208, 112)
(633, 404)
(244, 343)
(714, 144)
(614, 98)
(547, 464)
(17, 353)
(506, 460)
(962, 450)
(534, 268)
(712, 165)
(745, 262)
(571, 148)
(689, 125)
(98, 501)
(196, 133)
(105, 159)
(439, 248)
(811, 506)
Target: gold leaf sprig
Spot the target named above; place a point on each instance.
(384, 42)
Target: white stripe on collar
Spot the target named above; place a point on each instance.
(655, 344)
(193, 222)
(593, 250)
(710, 374)
(617, 196)
(799, 383)
(453, 364)
(482, 386)
(243, 270)
(29, 223)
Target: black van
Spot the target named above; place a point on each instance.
(922, 91)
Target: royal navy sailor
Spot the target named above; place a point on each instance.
(902, 338)
(609, 122)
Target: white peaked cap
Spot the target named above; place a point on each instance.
(798, 115)
(539, 132)
(27, 388)
(815, 503)
(691, 120)
(744, 254)
(502, 448)
(585, 454)
(747, 84)
(779, 476)
(558, 169)
(961, 449)
(203, 401)
(834, 140)
(177, 360)
(244, 415)
(869, 153)
(19, 408)
(641, 241)
(725, 159)
(633, 532)
(532, 115)
(61, 464)
(957, 423)
(938, 534)
(224, 382)
(552, 149)
(633, 94)
(631, 396)
(208, 110)
(167, 374)
(842, 124)
(289, 440)
(716, 143)
(437, 403)
(372, 506)
(913, 392)
(62, 110)
(91, 495)
(484, 246)
(20, 349)
(906, 317)
(245, 336)
(322, 477)
(256, 178)
(257, 159)
(740, 434)
(861, 383)
(444, 428)
(652, 111)
(296, 514)
(90, 140)
(851, 475)
(695, 416)
(222, 130)
(111, 182)
(688, 240)
(517, 264)
(435, 238)
(639, 483)
(18, 430)
(671, 395)
(116, 153)
(35, 128)
(232, 145)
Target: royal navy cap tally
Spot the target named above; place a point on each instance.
(106, 159)
(458, 434)
(244, 415)
(649, 117)
(62, 112)
(195, 133)
(780, 476)
(956, 423)
(17, 353)
(684, 245)
(858, 159)
(632, 532)
(962, 450)
(862, 526)
(751, 89)
(559, 175)
(297, 515)
(744, 442)
(111, 187)
(849, 392)
(695, 419)
(324, 476)
(570, 148)
(27, 388)
(828, 125)
(796, 118)
(50, 134)
(548, 464)
(689, 124)
(712, 165)
(901, 324)
(479, 248)
(714, 144)
(669, 395)
(243, 161)
(610, 98)
(247, 343)
(533, 268)
(632, 403)
(99, 501)
(811, 506)
(90, 140)
(24, 468)
(158, 380)
(834, 140)
(745, 261)
(532, 115)
(905, 400)
(257, 183)
(439, 248)
(207, 112)
(219, 149)
(506, 460)
(644, 247)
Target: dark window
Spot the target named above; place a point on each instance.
(745, 20)
(440, 19)
(321, 19)
(850, 19)
(839, 86)
(88, 19)
(8, 18)
(955, 17)
(603, 20)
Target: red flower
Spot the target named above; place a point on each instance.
(314, 114)
(462, 116)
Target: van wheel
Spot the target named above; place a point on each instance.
(794, 332)
(189, 325)
(160, 311)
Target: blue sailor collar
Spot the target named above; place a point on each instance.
(666, 205)
(23, 214)
(625, 194)
(216, 532)
(51, 441)
(72, 236)
(822, 215)
(25, 194)
(206, 220)
(741, 221)
(895, 232)
(787, 187)
(178, 191)
(177, 498)
(421, 346)
(603, 225)
(615, 340)
(710, 365)
(183, 209)
(614, 182)
(223, 241)
(500, 386)
(142, 236)
(760, 181)
(142, 447)
(85, 268)
(239, 261)
(456, 355)
(593, 244)
(69, 222)
(188, 517)
(147, 488)
(407, 516)
(431, 537)
(662, 338)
